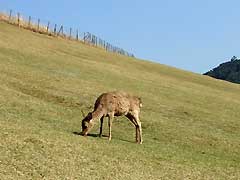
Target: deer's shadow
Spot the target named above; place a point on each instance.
(91, 135)
(97, 135)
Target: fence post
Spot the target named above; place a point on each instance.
(55, 29)
(60, 30)
(18, 19)
(38, 24)
(84, 36)
(48, 26)
(96, 39)
(77, 35)
(29, 22)
(70, 33)
(10, 15)
(92, 39)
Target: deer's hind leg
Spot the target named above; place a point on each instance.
(101, 126)
(134, 118)
(135, 123)
(138, 127)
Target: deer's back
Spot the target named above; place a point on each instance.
(118, 102)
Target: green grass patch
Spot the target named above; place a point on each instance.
(191, 127)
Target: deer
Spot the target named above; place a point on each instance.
(113, 104)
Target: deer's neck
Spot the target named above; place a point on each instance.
(97, 114)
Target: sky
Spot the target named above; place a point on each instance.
(193, 35)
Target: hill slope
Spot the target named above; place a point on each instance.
(191, 127)
(229, 71)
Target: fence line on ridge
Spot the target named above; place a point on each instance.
(52, 29)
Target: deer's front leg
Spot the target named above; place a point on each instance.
(139, 133)
(110, 120)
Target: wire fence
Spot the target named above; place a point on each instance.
(49, 28)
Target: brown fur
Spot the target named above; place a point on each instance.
(114, 104)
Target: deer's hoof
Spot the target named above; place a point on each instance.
(84, 135)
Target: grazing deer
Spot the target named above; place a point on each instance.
(114, 104)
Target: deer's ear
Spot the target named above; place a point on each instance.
(89, 116)
(83, 114)
(140, 102)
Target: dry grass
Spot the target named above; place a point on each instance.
(191, 127)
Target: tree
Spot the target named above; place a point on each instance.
(229, 71)
(234, 58)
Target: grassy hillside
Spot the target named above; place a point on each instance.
(191, 123)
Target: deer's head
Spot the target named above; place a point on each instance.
(86, 123)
